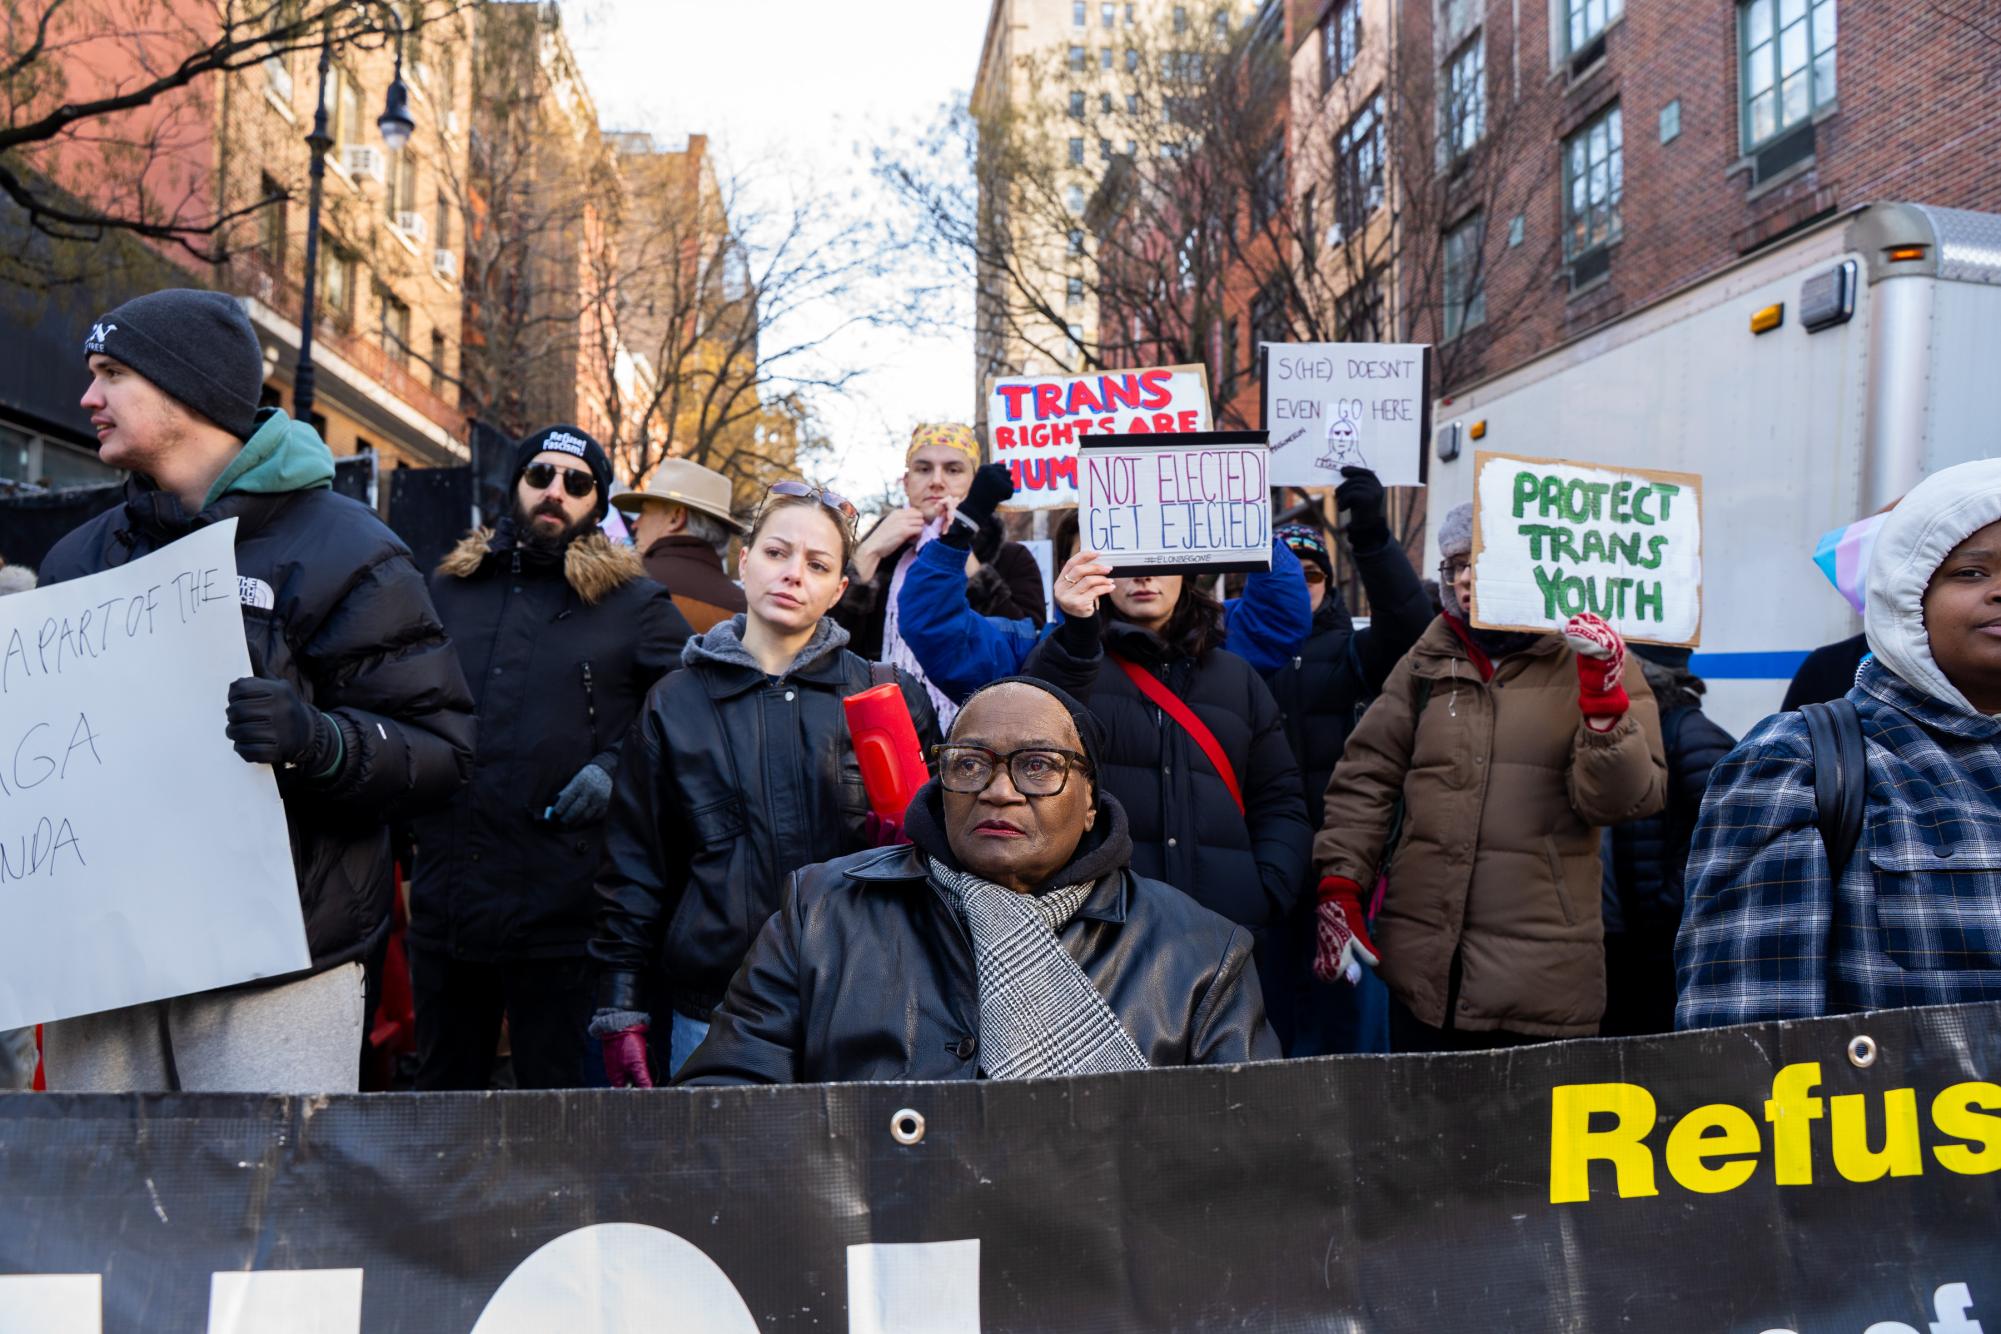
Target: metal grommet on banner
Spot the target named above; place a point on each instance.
(1862, 1051)
(907, 1127)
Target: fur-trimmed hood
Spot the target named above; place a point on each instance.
(593, 565)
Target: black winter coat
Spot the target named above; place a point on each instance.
(1186, 828)
(352, 629)
(1009, 586)
(1323, 691)
(730, 781)
(560, 649)
(1646, 860)
(867, 973)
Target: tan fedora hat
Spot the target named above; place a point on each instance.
(685, 482)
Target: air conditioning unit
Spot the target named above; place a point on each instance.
(414, 226)
(278, 78)
(445, 264)
(362, 161)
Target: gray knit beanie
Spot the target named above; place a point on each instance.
(1455, 531)
(196, 347)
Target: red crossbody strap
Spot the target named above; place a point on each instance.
(1150, 686)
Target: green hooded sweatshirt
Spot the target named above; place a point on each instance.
(282, 456)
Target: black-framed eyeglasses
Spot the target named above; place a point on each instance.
(1036, 771)
(833, 500)
(578, 482)
(1449, 570)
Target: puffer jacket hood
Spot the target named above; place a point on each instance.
(1937, 515)
(594, 566)
(722, 644)
(283, 455)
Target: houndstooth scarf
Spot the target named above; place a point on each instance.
(1039, 1013)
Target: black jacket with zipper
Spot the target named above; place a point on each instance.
(730, 781)
(350, 627)
(560, 648)
(1186, 828)
(867, 973)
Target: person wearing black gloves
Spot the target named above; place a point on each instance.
(356, 697)
(1322, 692)
(940, 483)
(562, 634)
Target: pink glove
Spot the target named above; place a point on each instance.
(1601, 668)
(625, 1058)
(885, 831)
(1342, 945)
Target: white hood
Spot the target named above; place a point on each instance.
(1939, 513)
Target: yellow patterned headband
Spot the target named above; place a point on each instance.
(949, 434)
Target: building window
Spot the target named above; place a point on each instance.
(1077, 57)
(1104, 57)
(1358, 312)
(1132, 16)
(1108, 14)
(1073, 292)
(1359, 154)
(1788, 74)
(441, 230)
(1076, 332)
(1466, 97)
(1076, 152)
(1104, 150)
(1105, 104)
(337, 288)
(1132, 60)
(1222, 23)
(1586, 20)
(1077, 8)
(395, 328)
(399, 192)
(272, 231)
(437, 362)
(1077, 106)
(1593, 179)
(1181, 18)
(1076, 241)
(1269, 322)
(1340, 41)
(1268, 187)
(1465, 292)
(1073, 198)
(1309, 225)
(347, 123)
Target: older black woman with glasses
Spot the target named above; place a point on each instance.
(739, 772)
(1009, 940)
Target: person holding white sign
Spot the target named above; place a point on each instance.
(356, 696)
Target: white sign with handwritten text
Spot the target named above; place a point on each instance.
(140, 858)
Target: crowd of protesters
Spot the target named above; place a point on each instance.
(1161, 826)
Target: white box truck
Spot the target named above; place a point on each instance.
(1884, 367)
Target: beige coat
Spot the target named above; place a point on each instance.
(1503, 786)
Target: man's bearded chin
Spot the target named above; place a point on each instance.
(529, 533)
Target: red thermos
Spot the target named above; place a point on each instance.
(886, 745)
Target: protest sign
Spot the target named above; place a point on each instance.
(1752, 1180)
(1552, 539)
(1161, 504)
(1330, 406)
(140, 857)
(1034, 424)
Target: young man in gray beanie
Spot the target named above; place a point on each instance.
(355, 696)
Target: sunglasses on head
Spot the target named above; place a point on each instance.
(839, 504)
(576, 481)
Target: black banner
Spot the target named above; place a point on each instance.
(1823, 1178)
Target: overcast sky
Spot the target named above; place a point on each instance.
(797, 90)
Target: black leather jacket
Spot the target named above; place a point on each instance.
(866, 973)
(729, 781)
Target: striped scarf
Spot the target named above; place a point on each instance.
(1039, 1013)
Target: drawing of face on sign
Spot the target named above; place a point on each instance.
(1344, 440)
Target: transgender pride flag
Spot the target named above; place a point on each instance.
(1843, 556)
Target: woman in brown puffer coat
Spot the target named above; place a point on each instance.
(1509, 751)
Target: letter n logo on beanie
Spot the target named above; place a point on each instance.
(98, 333)
(567, 443)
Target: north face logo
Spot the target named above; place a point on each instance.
(567, 443)
(98, 333)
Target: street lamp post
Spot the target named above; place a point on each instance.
(396, 127)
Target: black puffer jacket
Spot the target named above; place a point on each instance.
(1646, 860)
(352, 629)
(867, 973)
(560, 649)
(1008, 586)
(730, 781)
(1186, 828)
(1323, 691)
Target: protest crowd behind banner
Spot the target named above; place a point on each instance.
(998, 915)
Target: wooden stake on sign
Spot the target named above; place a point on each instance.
(1689, 483)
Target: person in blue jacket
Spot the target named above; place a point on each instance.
(961, 650)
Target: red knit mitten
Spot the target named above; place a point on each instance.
(1342, 943)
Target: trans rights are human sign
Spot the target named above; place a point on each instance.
(1035, 423)
(1553, 538)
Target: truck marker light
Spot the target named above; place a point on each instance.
(1898, 254)
(1478, 430)
(1768, 319)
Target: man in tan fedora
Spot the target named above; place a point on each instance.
(683, 533)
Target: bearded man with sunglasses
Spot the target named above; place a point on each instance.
(561, 634)
(1009, 940)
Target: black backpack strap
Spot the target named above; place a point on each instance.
(1840, 779)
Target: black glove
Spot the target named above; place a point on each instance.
(271, 724)
(1360, 499)
(991, 486)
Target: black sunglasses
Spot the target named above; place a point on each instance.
(576, 481)
(834, 501)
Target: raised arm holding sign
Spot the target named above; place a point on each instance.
(1159, 504)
